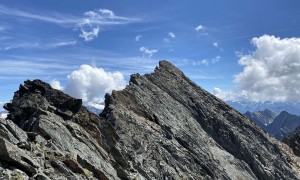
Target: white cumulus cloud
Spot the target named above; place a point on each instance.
(230, 95)
(148, 52)
(97, 103)
(271, 72)
(56, 84)
(3, 115)
(88, 83)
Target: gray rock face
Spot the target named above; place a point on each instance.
(293, 141)
(162, 126)
(169, 127)
(50, 135)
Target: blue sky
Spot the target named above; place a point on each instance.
(207, 40)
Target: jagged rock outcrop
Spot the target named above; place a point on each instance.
(161, 126)
(50, 135)
(261, 118)
(293, 141)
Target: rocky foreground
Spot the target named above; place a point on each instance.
(161, 126)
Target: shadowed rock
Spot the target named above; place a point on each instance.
(293, 141)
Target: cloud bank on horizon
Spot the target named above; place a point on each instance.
(271, 72)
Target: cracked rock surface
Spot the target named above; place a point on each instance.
(161, 126)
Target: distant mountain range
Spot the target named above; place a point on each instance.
(95, 109)
(277, 107)
(279, 126)
(261, 118)
(284, 124)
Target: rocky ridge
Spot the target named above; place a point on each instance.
(50, 135)
(192, 134)
(161, 126)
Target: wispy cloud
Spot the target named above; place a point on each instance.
(89, 32)
(63, 43)
(148, 52)
(172, 35)
(199, 28)
(30, 68)
(203, 77)
(6, 46)
(89, 24)
(138, 37)
(93, 20)
(58, 65)
(216, 45)
(216, 59)
(20, 45)
(205, 62)
(196, 63)
(51, 18)
(166, 40)
(3, 28)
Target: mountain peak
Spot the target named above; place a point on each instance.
(167, 64)
(161, 126)
(284, 113)
(175, 114)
